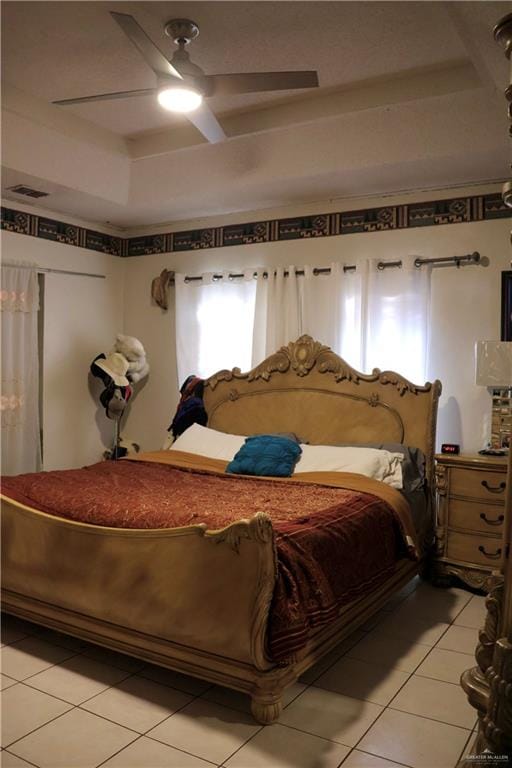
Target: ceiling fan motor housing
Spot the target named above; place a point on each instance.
(182, 31)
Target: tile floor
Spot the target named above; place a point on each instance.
(388, 696)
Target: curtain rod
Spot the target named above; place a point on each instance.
(298, 272)
(471, 258)
(47, 270)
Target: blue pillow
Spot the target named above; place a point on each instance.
(267, 455)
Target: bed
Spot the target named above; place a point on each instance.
(201, 599)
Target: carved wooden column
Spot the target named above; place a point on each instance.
(503, 35)
(489, 685)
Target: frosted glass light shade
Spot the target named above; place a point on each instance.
(493, 363)
(179, 99)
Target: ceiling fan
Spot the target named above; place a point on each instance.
(182, 85)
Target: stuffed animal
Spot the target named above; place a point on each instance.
(132, 349)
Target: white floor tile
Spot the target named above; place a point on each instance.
(360, 680)
(29, 656)
(376, 619)
(432, 604)
(474, 613)
(400, 596)
(8, 760)
(206, 730)
(413, 628)
(137, 703)
(389, 651)
(281, 747)
(59, 638)
(13, 629)
(358, 759)
(75, 740)
(461, 639)
(445, 665)
(114, 659)
(183, 683)
(146, 753)
(467, 749)
(78, 679)
(6, 682)
(330, 715)
(311, 674)
(24, 709)
(433, 698)
(414, 741)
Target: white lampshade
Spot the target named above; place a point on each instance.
(493, 363)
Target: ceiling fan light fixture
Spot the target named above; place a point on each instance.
(179, 99)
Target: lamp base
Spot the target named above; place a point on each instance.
(501, 419)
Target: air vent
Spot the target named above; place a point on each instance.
(27, 191)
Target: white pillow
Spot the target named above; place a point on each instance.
(208, 442)
(381, 465)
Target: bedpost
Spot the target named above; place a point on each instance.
(266, 707)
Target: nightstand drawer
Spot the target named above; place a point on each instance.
(485, 485)
(476, 516)
(481, 550)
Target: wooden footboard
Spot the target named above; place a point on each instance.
(206, 591)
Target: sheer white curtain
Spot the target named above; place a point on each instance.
(397, 319)
(332, 310)
(21, 448)
(371, 317)
(278, 310)
(214, 323)
(327, 306)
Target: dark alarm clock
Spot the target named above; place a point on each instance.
(450, 448)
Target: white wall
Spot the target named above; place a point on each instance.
(81, 318)
(465, 307)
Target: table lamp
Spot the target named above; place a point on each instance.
(494, 370)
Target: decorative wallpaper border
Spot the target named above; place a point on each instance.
(457, 210)
(70, 234)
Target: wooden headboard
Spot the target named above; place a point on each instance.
(308, 389)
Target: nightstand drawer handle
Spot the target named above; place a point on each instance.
(491, 555)
(497, 521)
(494, 488)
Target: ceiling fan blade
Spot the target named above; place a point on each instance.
(206, 122)
(153, 55)
(107, 96)
(247, 82)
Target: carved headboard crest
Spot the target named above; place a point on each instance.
(302, 356)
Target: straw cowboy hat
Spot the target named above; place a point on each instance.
(160, 288)
(116, 366)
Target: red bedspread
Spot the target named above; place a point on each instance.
(333, 544)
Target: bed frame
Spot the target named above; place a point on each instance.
(196, 600)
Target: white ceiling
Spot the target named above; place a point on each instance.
(410, 97)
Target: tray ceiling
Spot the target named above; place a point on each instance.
(373, 59)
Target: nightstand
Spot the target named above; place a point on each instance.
(470, 502)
